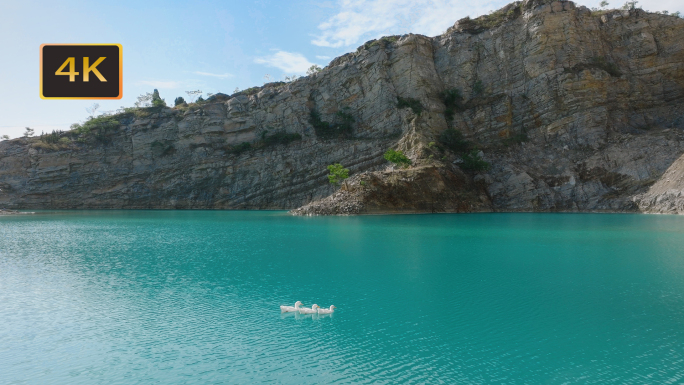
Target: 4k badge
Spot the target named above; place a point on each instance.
(81, 71)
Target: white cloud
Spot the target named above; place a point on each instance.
(367, 19)
(288, 62)
(160, 84)
(323, 57)
(220, 76)
(357, 21)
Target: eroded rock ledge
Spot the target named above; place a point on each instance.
(422, 189)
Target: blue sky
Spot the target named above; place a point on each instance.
(177, 46)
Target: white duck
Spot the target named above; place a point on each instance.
(286, 309)
(327, 311)
(306, 310)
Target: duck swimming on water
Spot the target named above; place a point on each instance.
(306, 310)
(286, 309)
(327, 311)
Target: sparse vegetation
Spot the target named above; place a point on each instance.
(397, 157)
(337, 173)
(51, 137)
(492, 20)
(413, 104)
(4, 137)
(193, 94)
(179, 101)
(28, 132)
(383, 41)
(630, 5)
(454, 141)
(453, 101)
(341, 127)
(312, 70)
(100, 124)
(478, 88)
(251, 91)
(473, 162)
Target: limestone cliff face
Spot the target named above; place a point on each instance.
(573, 110)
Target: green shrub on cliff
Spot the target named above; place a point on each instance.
(340, 128)
(337, 173)
(454, 141)
(100, 124)
(473, 162)
(157, 101)
(452, 101)
(397, 157)
(413, 104)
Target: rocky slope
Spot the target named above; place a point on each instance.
(574, 110)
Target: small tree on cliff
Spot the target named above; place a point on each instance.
(313, 69)
(29, 132)
(337, 174)
(157, 101)
(397, 157)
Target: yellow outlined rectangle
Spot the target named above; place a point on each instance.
(83, 98)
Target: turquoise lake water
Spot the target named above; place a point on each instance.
(192, 297)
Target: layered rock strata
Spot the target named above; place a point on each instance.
(574, 110)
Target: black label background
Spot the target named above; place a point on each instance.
(59, 86)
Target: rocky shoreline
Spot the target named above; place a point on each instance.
(14, 212)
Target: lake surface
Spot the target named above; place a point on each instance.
(192, 297)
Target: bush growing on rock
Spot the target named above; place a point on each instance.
(397, 157)
(313, 69)
(413, 104)
(341, 127)
(100, 123)
(452, 101)
(454, 141)
(337, 173)
(473, 162)
(179, 100)
(157, 101)
(50, 138)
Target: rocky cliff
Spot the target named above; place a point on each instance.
(573, 110)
